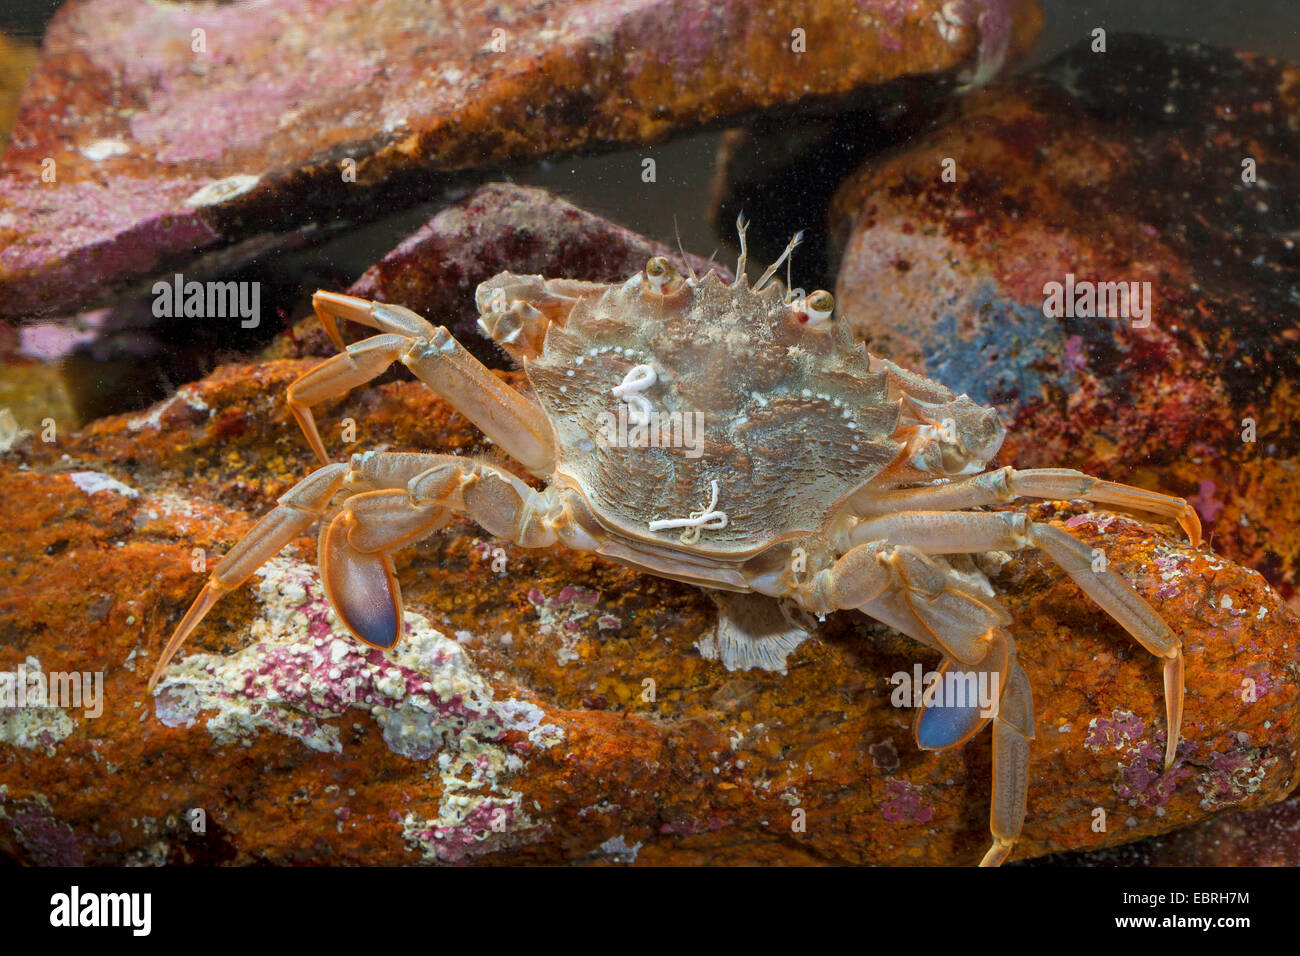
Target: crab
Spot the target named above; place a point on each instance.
(826, 478)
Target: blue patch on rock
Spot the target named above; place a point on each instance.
(1005, 359)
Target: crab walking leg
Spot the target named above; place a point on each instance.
(980, 679)
(1013, 728)
(398, 499)
(861, 575)
(358, 364)
(295, 512)
(925, 600)
(515, 423)
(499, 502)
(1057, 484)
(332, 306)
(953, 532)
(966, 700)
(913, 593)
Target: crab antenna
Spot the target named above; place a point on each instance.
(798, 238)
(741, 226)
(685, 261)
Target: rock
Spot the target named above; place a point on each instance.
(79, 367)
(17, 60)
(1125, 168)
(549, 706)
(126, 356)
(32, 388)
(769, 161)
(174, 129)
(1267, 837)
(499, 227)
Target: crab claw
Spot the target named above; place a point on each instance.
(361, 587)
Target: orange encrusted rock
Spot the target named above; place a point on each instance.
(549, 706)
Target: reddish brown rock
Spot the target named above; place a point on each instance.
(499, 227)
(166, 140)
(514, 723)
(1127, 167)
(1267, 837)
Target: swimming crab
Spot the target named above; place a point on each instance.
(824, 478)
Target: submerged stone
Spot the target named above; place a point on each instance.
(544, 703)
(1108, 251)
(152, 131)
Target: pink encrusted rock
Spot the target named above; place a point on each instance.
(427, 700)
(177, 127)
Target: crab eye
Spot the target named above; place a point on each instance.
(661, 274)
(820, 307)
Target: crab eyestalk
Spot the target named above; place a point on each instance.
(663, 275)
(816, 310)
